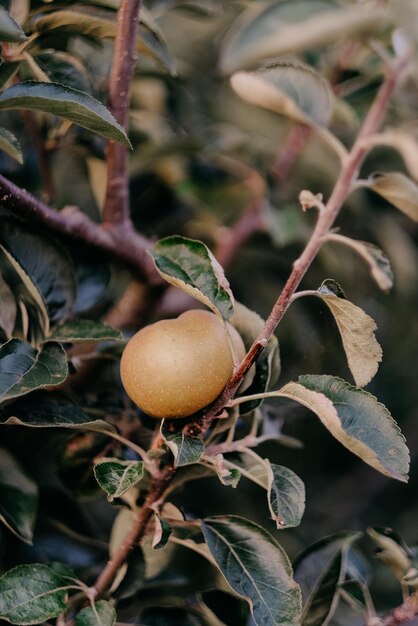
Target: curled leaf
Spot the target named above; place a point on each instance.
(190, 265)
(116, 476)
(357, 333)
(286, 496)
(185, 449)
(377, 260)
(397, 189)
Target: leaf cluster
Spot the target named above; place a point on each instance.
(71, 434)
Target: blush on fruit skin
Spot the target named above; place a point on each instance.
(173, 368)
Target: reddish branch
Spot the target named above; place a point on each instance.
(252, 220)
(325, 221)
(137, 531)
(116, 207)
(121, 242)
(294, 144)
(47, 181)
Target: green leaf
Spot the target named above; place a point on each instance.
(64, 68)
(9, 29)
(71, 104)
(116, 477)
(320, 570)
(101, 613)
(43, 410)
(286, 27)
(186, 450)
(31, 594)
(296, 91)
(397, 189)
(256, 567)
(356, 328)
(377, 260)
(24, 368)
(18, 498)
(286, 496)
(76, 331)
(356, 419)
(43, 266)
(189, 265)
(10, 145)
(8, 309)
(101, 24)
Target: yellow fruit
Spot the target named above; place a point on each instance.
(173, 368)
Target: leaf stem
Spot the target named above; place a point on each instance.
(116, 206)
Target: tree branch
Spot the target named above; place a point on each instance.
(116, 206)
(122, 243)
(325, 222)
(137, 531)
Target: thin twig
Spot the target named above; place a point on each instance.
(137, 531)
(326, 219)
(116, 206)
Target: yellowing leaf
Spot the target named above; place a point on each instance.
(356, 419)
(293, 90)
(279, 28)
(402, 141)
(190, 265)
(397, 189)
(377, 260)
(357, 333)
